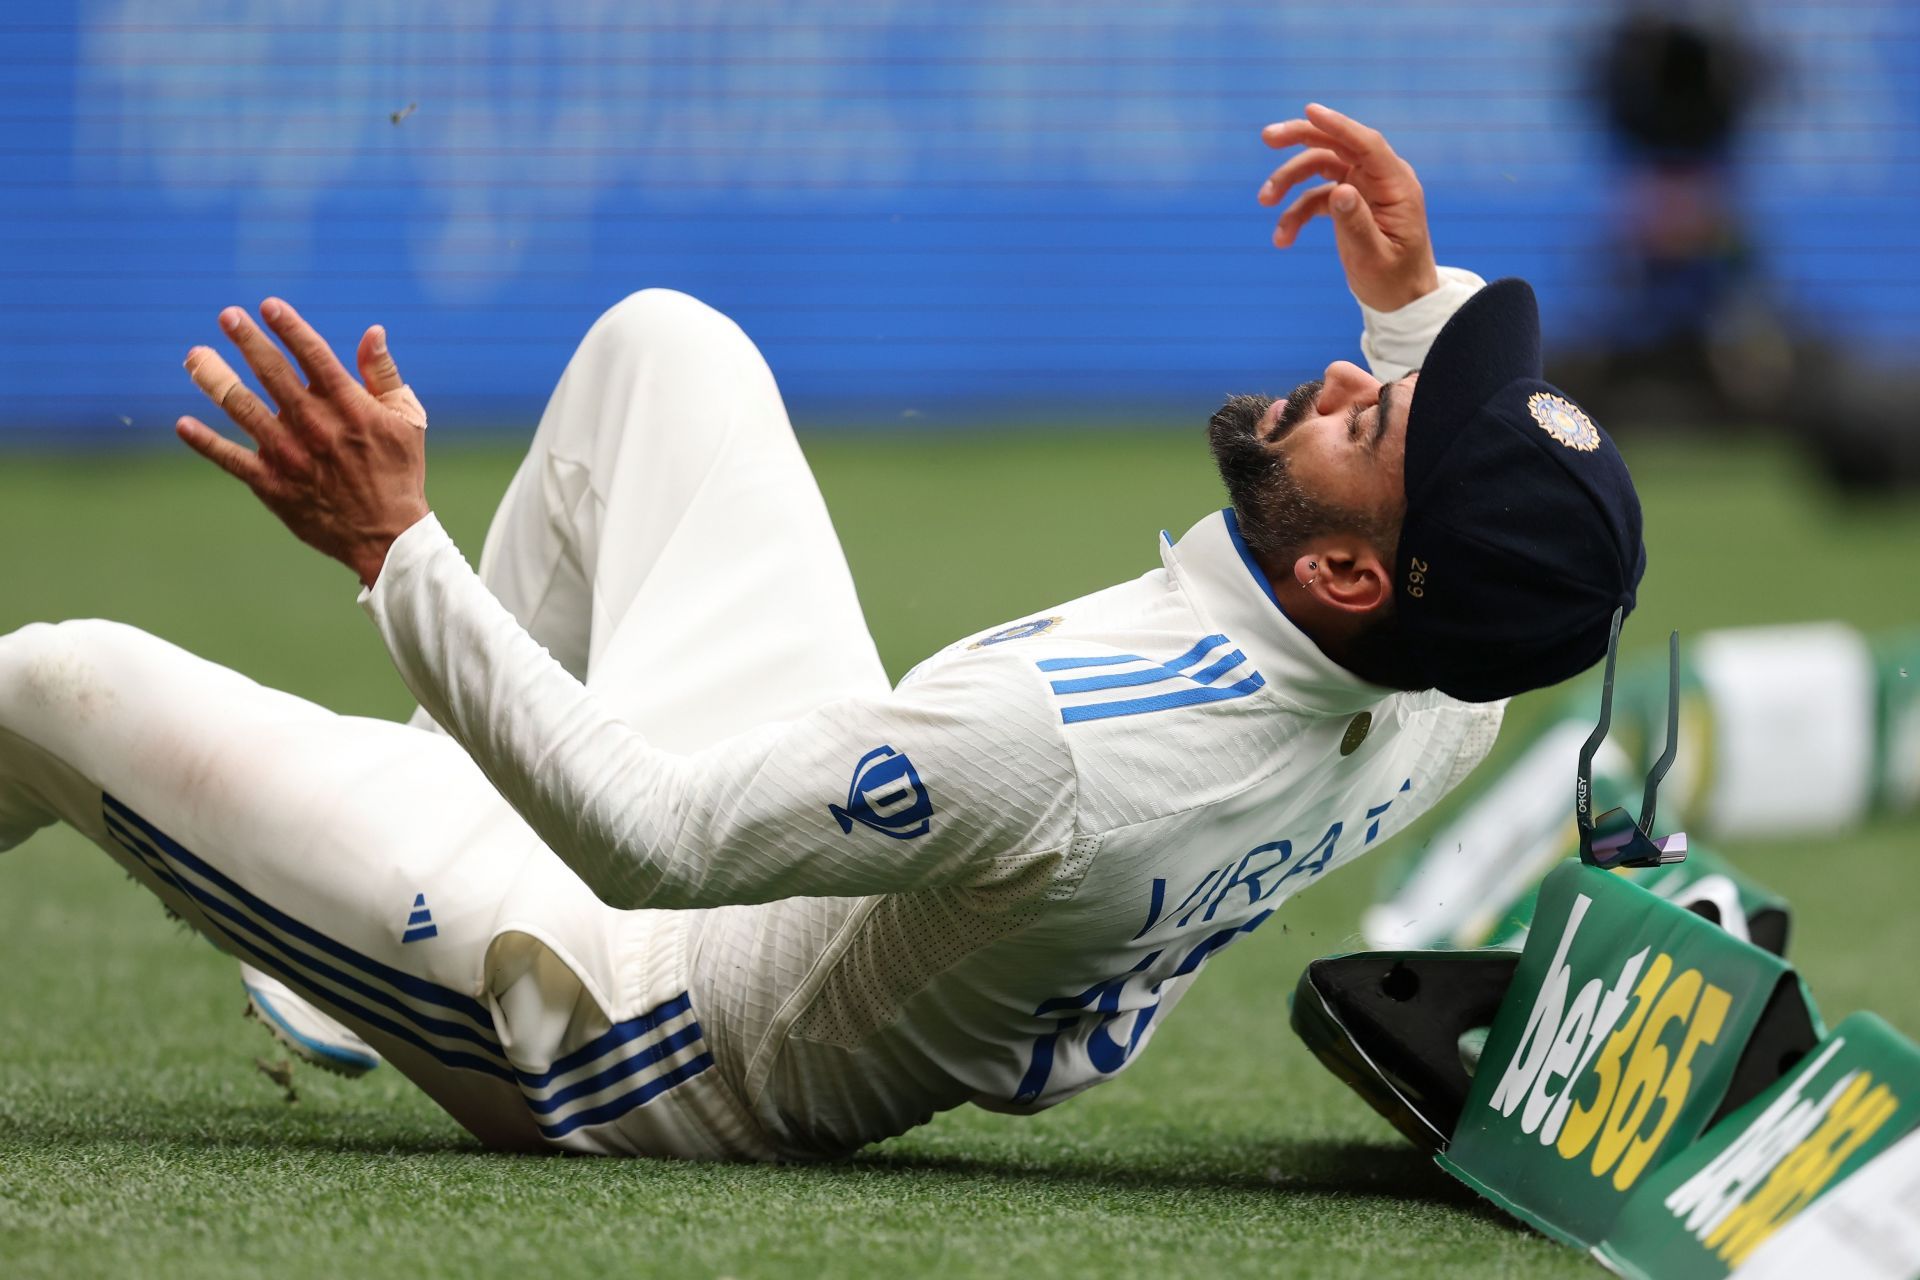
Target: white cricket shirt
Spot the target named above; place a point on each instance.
(993, 884)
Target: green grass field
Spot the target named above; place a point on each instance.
(138, 1139)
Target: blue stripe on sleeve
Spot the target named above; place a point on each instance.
(1219, 668)
(1118, 680)
(1071, 664)
(1161, 701)
(1196, 653)
(1155, 674)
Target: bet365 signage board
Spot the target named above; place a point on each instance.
(1638, 1016)
(1705, 1212)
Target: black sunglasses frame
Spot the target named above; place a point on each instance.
(1616, 838)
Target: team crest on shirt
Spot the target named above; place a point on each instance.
(1564, 420)
(1019, 631)
(887, 795)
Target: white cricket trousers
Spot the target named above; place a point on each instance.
(666, 542)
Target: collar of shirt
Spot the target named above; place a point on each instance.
(1212, 564)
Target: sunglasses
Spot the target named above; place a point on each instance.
(1616, 838)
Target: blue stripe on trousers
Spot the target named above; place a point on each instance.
(293, 967)
(300, 982)
(616, 1035)
(158, 850)
(609, 1111)
(419, 988)
(317, 968)
(689, 1034)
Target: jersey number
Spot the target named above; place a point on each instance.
(1099, 1005)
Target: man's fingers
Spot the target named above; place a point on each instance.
(222, 385)
(377, 368)
(383, 379)
(240, 463)
(1348, 134)
(1300, 133)
(322, 367)
(1352, 219)
(1300, 212)
(211, 374)
(1316, 162)
(1354, 224)
(275, 374)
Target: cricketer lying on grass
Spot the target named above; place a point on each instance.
(678, 873)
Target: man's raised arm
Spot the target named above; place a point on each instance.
(819, 807)
(1379, 215)
(952, 780)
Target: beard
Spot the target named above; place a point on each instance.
(1276, 515)
(1239, 419)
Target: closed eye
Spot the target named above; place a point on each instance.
(1380, 417)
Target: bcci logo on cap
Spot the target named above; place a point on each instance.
(1564, 420)
(886, 794)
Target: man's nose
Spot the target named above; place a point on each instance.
(1344, 385)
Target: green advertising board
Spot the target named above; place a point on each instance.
(1704, 1212)
(1898, 728)
(1866, 1228)
(1705, 884)
(1625, 1026)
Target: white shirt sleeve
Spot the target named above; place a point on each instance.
(958, 779)
(1395, 342)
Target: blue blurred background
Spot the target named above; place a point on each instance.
(931, 215)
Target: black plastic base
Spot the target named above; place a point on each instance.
(1390, 1023)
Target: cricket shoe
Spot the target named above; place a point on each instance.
(309, 1034)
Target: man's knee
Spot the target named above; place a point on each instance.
(60, 667)
(656, 321)
(658, 312)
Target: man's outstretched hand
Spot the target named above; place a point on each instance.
(1379, 212)
(344, 465)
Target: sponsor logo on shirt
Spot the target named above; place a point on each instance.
(886, 794)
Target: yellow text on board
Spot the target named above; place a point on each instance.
(1783, 1159)
(1603, 1073)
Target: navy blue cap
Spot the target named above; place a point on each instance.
(1522, 528)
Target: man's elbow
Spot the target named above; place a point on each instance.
(618, 887)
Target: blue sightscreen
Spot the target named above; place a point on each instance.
(929, 213)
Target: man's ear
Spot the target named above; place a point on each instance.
(1345, 574)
